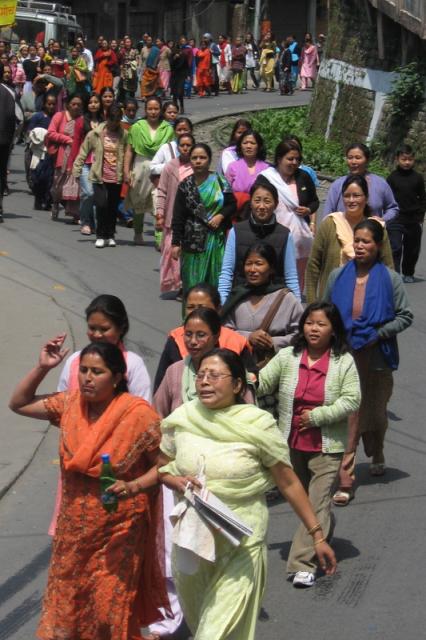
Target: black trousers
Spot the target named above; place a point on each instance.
(250, 71)
(5, 150)
(406, 240)
(107, 199)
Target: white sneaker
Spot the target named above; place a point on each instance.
(304, 579)
(100, 243)
(111, 242)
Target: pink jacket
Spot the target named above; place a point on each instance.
(167, 189)
(57, 140)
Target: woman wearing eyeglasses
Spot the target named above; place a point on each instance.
(244, 454)
(202, 329)
(333, 243)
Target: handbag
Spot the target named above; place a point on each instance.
(80, 76)
(196, 227)
(195, 235)
(263, 356)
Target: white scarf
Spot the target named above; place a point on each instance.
(300, 231)
(285, 194)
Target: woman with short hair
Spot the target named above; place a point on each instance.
(236, 451)
(333, 242)
(374, 308)
(318, 388)
(381, 199)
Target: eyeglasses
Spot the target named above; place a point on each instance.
(211, 376)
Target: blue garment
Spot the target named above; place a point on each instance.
(311, 173)
(87, 199)
(228, 268)
(39, 119)
(380, 198)
(378, 309)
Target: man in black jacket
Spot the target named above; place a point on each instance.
(7, 132)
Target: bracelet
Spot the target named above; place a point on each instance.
(320, 541)
(316, 527)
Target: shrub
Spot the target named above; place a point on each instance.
(327, 157)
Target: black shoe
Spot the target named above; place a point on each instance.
(6, 191)
(38, 204)
(1, 218)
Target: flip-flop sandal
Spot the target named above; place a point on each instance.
(342, 498)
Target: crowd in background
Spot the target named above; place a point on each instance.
(243, 245)
(154, 66)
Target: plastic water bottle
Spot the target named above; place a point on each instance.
(107, 478)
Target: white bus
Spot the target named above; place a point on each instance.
(41, 21)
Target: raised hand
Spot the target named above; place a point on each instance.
(52, 353)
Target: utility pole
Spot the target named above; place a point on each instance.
(256, 25)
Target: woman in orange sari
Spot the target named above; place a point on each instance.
(203, 73)
(105, 579)
(105, 59)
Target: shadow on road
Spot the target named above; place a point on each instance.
(22, 614)
(391, 475)
(27, 574)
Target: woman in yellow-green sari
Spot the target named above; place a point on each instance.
(244, 455)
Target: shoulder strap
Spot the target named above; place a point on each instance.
(273, 309)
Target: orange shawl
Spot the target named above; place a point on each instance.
(127, 428)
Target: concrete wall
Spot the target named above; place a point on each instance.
(363, 51)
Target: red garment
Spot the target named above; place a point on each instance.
(310, 391)
(104, 62)
(222, 47)
(203, 74)
(57, 138)
(60, 68)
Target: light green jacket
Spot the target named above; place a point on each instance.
(342, 395)
(94, 142)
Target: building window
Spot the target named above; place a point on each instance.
(141, 22)
(87, 21)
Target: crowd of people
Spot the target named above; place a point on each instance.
(69, 93)
(283, 362)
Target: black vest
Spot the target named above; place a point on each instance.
(248, 233)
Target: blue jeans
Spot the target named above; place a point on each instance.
(87, 205)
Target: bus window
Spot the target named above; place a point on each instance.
(62, 35)
(72, 37)
(29, 30)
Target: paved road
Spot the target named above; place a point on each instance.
(48, 274)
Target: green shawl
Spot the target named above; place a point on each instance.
(140, 138)
(242, 423)
(189, 391)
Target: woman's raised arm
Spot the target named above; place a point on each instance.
(24, 399)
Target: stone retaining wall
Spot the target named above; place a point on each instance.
(355, 78)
